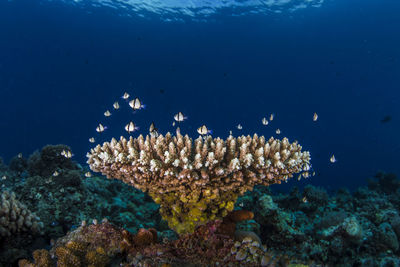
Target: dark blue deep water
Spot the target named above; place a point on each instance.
(62, 65)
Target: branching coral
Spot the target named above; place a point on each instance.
(196, 181)
(16, 217)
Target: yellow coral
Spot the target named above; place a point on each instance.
(66, 258)
(41, 259)
(78, 248)
(97, 258)
(198, 180)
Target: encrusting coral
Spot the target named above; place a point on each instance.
(92, 245)
(16, 217)
(197, 181)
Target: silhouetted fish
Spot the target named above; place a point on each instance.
(386, 119)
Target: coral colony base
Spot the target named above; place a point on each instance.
(198, 181)
(57, 219)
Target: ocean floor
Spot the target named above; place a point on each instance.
(53, 213)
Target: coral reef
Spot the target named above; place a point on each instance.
(304, 227)
(16, 217)
(62, 201)
(359, 229)
(384, 182)
(94, 245)
(50, 159)
(99, 245)
(196, 181)
(3, 166)
(18, 164)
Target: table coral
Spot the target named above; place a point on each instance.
(197, 181)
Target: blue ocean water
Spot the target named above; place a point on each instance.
(62, 64)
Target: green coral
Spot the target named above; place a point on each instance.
(185, 212)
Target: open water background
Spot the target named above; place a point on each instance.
(62, 65)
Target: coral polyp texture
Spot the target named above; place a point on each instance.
(197, 181)
(15, 217)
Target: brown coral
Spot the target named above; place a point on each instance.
(89, 245)
(16, 217)
(196, 181)
(97, 257)
(100, 245)
(228, 226)
(145, 237)
(41, 258)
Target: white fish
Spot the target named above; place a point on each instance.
(239, 126)
(19, 155)
(136, 104)
(271, 117)
(152, 127)
(333, 159)
(305, 200)
(125, 96)
(100, 128)
(203, 130)
(173, 124)
(88, 174)
(315, 117)
(264, 121)
(66, 153)
(153, 130)
(91, 140)
(278, 131)
(55, 173)
(131, 127)
(230, 132)
(116, 105)
(3, 177)
(179, 117)
(178, 131)
(107, 113)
